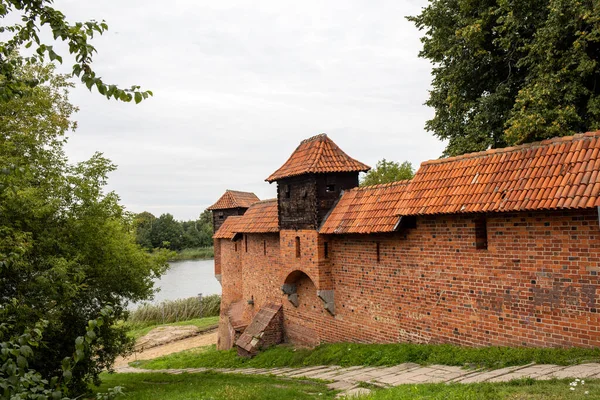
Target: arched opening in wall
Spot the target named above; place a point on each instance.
(303, 310)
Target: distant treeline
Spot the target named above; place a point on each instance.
(168, 233)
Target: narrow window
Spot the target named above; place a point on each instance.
(235, 246)
(326, 249)
(246, 242)
(481, 240)
(297, 247)
(378, 251)
(220, 214)
(288, 192)
(265, 247)
(330, 188)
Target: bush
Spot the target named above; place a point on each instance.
(176, 310)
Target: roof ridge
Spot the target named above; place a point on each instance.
(238, 191)
(381, 185)
(557, 139)
(265, 201)
(315, 138)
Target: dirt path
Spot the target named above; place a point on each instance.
(206, 339)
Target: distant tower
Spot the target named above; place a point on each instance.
(310, 181)
(231, 203)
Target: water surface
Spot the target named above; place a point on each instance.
(187, 279)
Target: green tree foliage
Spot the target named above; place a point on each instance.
(143, 223)
(388, 171)
(511, 72)
(19, 381)
(66, 246)
(33, 16)
(166, 232)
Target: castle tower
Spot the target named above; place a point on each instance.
(310, 182)
(308, 185)
(231, 203)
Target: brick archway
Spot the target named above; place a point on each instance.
(302, 309)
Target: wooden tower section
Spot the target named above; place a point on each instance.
(310, 182)
(231, 203)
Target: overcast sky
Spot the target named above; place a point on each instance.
(238, 84)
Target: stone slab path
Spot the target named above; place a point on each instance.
(348, 379)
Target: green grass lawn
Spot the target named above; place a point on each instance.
(139, 330)
(518, 389)
(346, 354)
(213, 386)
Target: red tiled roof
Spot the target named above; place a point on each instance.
(366, 209)
(234, 199)
(554, 174)
(318, 154)
(229, 228)
(261, 217)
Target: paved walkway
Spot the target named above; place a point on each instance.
(347, 379)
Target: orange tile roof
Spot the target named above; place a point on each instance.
(318, 154)
(261, 217)
(234, 199)
(557, 173)
(366, 209)
(229, 228)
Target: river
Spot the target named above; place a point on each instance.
(187, 279)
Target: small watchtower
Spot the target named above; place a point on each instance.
(231, 203)
(310, 181)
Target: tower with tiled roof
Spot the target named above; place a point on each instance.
(232, 202)
(311, 180)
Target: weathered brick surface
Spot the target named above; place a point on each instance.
(266, 329)
(535, 285)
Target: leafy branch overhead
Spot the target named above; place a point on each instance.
(387, 172)
(511, 72)
(25, 34)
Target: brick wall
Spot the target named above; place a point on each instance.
(260, 261)
(217, 250)
(535, 285)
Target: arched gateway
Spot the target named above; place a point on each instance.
(303, 310)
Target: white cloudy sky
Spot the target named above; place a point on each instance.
(238, 84)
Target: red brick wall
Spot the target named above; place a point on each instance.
(217, 250)
(261, 282)
(535, 285)
(301, 324)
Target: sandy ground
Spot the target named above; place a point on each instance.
(165, 334)
(206, 339)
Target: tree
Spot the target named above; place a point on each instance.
(510, 72)
(66, 246)
(388, 171)
(34, 16)
(143, 223)
(167, 233)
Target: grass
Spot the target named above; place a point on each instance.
(346, 354)
(213, 386)
(517, 389)
(137, 331)
(176, 310)
(198, 253)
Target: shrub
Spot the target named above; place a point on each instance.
(176, 310)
